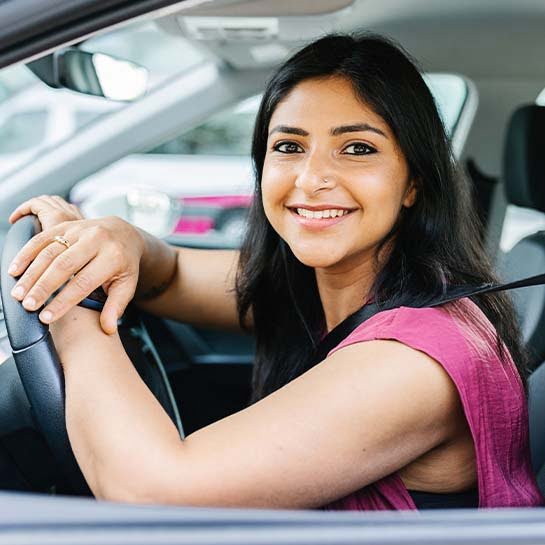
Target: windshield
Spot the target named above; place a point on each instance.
(35, 117)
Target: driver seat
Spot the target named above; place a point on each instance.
(524, 179)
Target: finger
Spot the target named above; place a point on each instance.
(57, 273)
(80, 286)
(35, 270)
(33, 247)
(120, 294)
(22, 210)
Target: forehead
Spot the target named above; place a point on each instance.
(329, 101)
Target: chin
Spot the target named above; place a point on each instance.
(316, 259)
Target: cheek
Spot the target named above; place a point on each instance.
(275, 187)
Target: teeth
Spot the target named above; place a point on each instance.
(319, 214)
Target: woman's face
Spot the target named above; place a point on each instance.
(334, 179)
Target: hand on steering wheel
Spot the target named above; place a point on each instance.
(83, 253)
(35, 354)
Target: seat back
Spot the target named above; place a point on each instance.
(536, 409)
(524, 180)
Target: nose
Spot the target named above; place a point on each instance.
(315, 172)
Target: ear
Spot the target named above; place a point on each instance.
(410, 194)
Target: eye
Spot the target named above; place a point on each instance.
(359, 148)
(287, 147)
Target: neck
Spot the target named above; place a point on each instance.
(344, 289)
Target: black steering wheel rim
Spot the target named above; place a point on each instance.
(31, 342)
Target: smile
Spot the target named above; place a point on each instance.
(319, 219)
(319, 214)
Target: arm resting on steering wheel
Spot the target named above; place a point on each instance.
(188, 285)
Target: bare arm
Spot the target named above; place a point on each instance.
(327, 433)
(188, 285)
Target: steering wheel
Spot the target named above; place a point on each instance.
(39, 366)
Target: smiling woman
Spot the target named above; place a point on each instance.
(357, 200)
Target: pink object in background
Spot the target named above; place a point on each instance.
(201, 219)
(220, 201)
(194, 224)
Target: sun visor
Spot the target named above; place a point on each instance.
(250, 35)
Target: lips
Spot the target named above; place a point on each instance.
(316, 219)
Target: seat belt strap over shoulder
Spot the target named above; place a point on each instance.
(339, 333)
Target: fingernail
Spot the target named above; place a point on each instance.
(18, 292)
(12, 268)
(29, 303)
(46, 316)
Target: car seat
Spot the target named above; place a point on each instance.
(524, 179)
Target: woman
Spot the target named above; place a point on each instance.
(357, 199)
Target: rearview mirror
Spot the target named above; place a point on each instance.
(89, 73)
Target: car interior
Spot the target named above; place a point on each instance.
(201, 375)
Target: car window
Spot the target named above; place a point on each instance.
(227, 133)
(24, 127)
(207, 170)
(230, 132)
(22, 131)
(84, 118)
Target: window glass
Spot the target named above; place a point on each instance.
(22, 131)
(227, 133)
(230, 132)
(83, 118)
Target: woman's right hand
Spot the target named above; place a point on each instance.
(103, 252)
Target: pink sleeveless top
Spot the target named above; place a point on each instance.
(491, 393)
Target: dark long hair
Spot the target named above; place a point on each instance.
(433, 244)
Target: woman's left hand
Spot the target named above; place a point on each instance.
(50, 209)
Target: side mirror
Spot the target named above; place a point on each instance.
(151, 210)
(95, 74)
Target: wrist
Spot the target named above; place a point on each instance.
(158, 268)
(74, 327)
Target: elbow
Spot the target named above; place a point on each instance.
(126, 492)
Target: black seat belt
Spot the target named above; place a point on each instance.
(341, 331)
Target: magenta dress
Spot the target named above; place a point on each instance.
(491, 393)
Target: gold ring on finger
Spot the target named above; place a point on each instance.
(62, 240)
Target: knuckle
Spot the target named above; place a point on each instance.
(84, 283)
(117, 252)
(97, 230)
(49, 253)
(65, 262)
(41, 239)
(58, 304)
(39, 292)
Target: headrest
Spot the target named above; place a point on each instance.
(524, 158)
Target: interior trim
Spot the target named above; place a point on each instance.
(40, 26)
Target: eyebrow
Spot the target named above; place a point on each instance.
(358, 127)
(288, 130)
